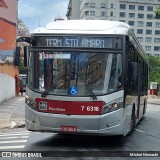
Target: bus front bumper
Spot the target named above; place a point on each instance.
(107, 124)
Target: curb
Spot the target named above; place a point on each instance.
(153, 103)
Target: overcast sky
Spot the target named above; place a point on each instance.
(40, 12)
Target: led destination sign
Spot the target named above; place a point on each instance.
(79, 42)
(68, 42)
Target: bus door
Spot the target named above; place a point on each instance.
(139, 86)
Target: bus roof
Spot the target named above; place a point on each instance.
(84, 27)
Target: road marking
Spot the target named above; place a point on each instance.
(13, 140)
(22, 137)
(15, 132)
(18, 141)
(11, 147)
(9, 138)
(22, 134)
(140, 131)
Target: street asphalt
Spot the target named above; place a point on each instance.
(12, 111)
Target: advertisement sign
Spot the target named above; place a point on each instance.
(8, 20)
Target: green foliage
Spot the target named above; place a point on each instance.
(22, 69)
(157, 13)
(154, 69)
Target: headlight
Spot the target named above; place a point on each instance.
(31, 103)
(112, 106)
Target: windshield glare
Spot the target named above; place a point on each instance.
(101, 72)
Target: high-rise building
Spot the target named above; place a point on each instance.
(139, 14)
(23, 30)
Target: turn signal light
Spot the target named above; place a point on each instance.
(31, 103)
(117, 104)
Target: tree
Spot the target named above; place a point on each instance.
(157, 13)
(154, 69)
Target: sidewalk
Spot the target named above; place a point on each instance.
(12, 113)
(153, 100)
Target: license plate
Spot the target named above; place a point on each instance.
(68, 129)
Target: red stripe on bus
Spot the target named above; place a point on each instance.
(69, 107)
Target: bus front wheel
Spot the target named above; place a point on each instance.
(132, 122)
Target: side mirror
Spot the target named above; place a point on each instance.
(132, 47)
(16, 57)
(26, 53)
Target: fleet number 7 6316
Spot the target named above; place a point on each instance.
(90, 108)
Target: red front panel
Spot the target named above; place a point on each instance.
(69, 107)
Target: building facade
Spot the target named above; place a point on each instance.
(139, 14)
(22, 29)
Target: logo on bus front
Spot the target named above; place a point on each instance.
(43, 106)
(73, 90)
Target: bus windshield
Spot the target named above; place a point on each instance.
(76, 73)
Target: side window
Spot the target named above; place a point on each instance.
(115, 82)
(136, 75)
(146, 76)
(144, 79)
(131, 70)
(140, 74)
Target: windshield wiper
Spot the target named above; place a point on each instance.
(51, 86)
(88, 88)
(57, 80)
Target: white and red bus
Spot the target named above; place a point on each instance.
(85, 77)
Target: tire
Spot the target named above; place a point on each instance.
(144, 107)
(133, 122)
